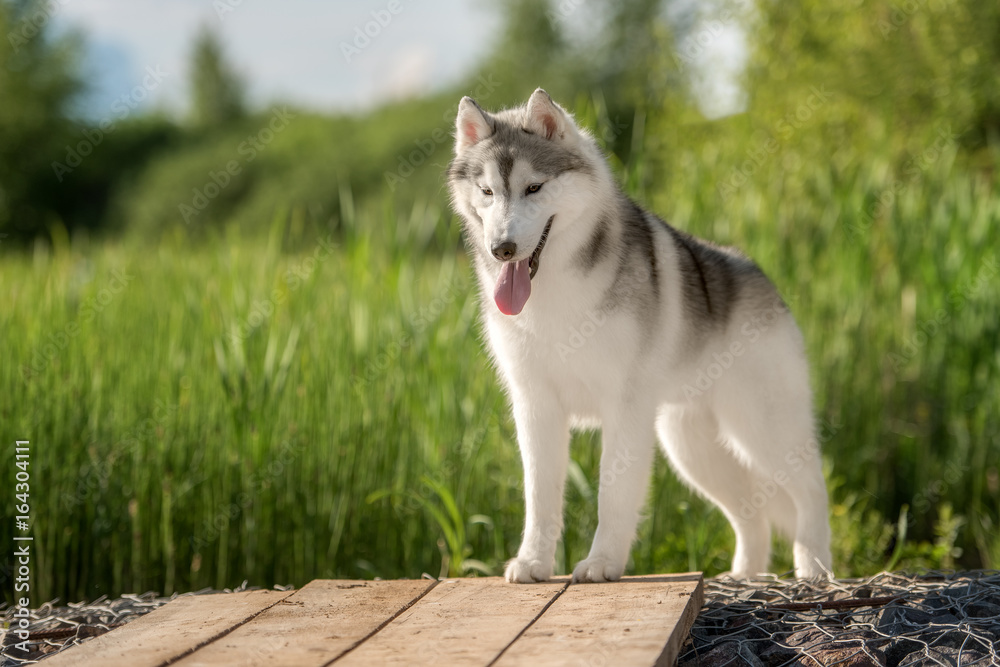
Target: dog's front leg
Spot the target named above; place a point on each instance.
(628, 441)
(543, 436)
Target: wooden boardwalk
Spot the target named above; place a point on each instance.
(484, 621)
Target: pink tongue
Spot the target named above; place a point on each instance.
(513, 287)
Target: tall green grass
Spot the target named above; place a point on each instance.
(319, 405)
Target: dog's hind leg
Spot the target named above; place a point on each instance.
(767, 416)
(792, 494)
(691, 440)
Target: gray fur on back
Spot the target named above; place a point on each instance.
(713, 279)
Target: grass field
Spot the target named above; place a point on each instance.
(319, 405)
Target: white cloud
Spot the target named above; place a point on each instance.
(715, 77)
(288, 50)
(291, 50)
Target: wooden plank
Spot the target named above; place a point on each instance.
(636, 621)
(320, 622)
(177, 628)
(460, 622)
(639, 620)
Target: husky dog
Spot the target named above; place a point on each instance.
(599, 314)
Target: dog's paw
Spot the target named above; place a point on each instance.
(595, 570)
(525, 571)
(814, 571)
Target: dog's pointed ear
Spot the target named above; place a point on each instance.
(545, 118)
(471, 125)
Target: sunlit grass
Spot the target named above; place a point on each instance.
(319, 405)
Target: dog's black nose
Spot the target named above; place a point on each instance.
(504, 251)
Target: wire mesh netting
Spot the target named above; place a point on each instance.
(890, 619)
(52, 629)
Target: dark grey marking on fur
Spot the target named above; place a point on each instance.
(712, 278)
(650, 247)
(505, 146)
(505, 163)
(545, 156)
(458, 170)
(465, 169)
(700, 271)
(597, 247)
(715, 282)
(637, 280)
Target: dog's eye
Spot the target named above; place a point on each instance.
(487, 192)
(533, 188)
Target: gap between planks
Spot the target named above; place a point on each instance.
(179, 628)
(476, 622)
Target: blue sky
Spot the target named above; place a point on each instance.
(289, 50)
(293, 50)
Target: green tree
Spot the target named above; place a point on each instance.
(626, 63)
(917, 64)
(38, 84)
(217, 91)
(633, 63)
(531, 52)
